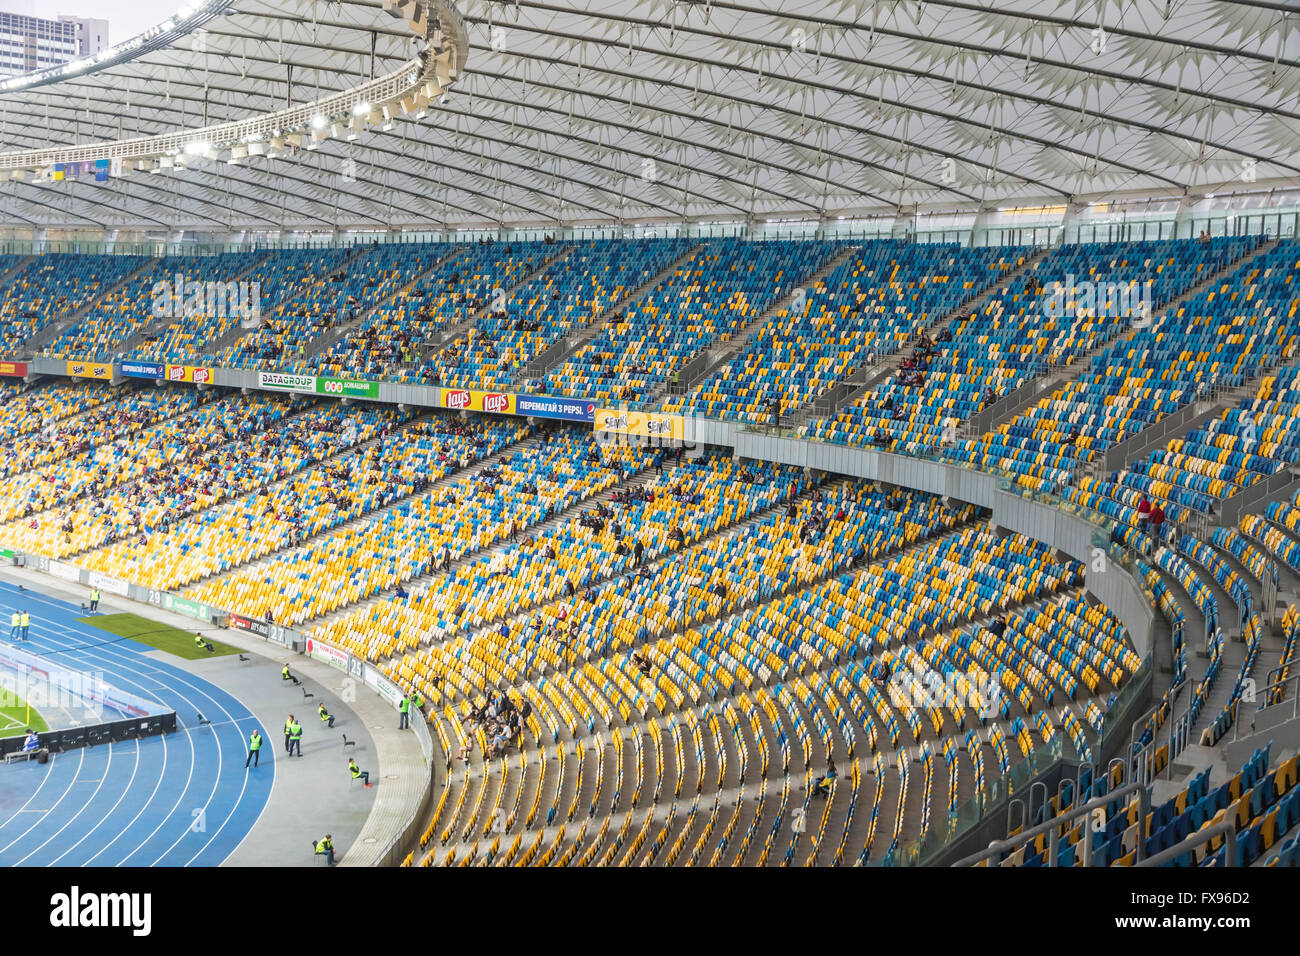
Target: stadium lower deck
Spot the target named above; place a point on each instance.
(695, 638)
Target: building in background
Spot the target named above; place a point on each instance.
(30, 43)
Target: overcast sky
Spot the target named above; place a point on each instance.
(125, 18)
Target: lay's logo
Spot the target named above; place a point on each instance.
(176, 373)
(201, 375)
(456, 399)
(494, 402)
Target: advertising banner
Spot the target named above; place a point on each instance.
(347, 388)
(546, 406)
(142, 369)
(13, 368)
(106, 583)
(327, 653)
(285, 382)
(68, 572)
(625, 421)
(252, 625)
(383, 686)
(91, 370)
(189, 373)
(183, 605)
(497, 403)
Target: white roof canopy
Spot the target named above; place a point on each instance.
(609, 111)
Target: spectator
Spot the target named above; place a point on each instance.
(1144, 514)
(325, 847)
(1156, 522)
(826, 781)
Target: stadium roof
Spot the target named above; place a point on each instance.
(621, 111)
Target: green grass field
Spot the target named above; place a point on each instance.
(164, 637)
(15, 719)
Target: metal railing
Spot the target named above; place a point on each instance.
(1053, 827)
(1274, 681)
(1226, 828)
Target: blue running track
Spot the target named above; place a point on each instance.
(183, 799)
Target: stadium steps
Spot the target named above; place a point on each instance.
(651, 561)
(161, 325)
(1206, 407)
(865, 379)
(1234, 651)
(658, 561)
(478, 554)
(486, 779)
(1059, 376)
(265, 561)
(330, 336)
(64, 502)
(467, 325)
(233, 335)
(35, 344)
(209, 450)
(565, 347)
(708, 361)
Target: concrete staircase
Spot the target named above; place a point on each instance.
(1055, 376)
(238, 331)
(859, 382)
(536, 531)
(564, 347)
(700, 366)
(466, 324)
(36, 344)
(159, 326)
(327, 338)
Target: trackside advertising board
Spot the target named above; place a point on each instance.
(142, 370)
(285, 382)
(188, 373)
(346, 388)
(99, 370)
(497, 403)
(547, 406)
(506, 403)
(626, 421)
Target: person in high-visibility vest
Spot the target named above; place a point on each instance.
(325, 846)
(285, 675)
(94, 599)
(404, 708)
(325, 716)
(288, 728)
(358, 773)
(200, 642)
(15, 625)
(295, 739)
(254, 747)
(416, 700)
(24, 621)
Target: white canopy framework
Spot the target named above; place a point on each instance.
(602, 112)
